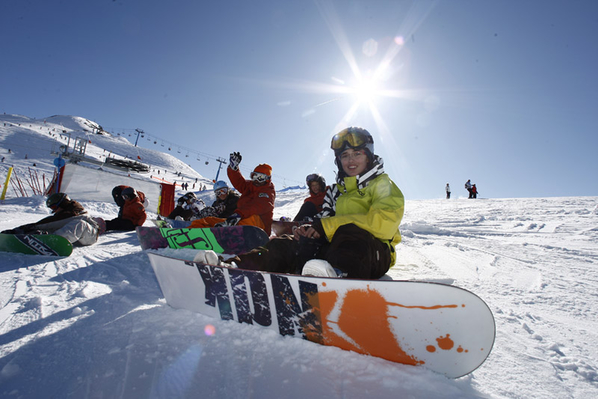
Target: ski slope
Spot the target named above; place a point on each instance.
(95, 324)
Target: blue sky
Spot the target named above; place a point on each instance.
(504, 93)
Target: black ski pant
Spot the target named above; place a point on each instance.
(308, 209)
(352, 250)
(120, 224)
(179, 211)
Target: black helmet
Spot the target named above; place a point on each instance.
(56, 199)
(128, 193)
(355, 138)
(190, 194)
(316, 177)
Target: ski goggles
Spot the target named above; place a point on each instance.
(350, 138)
(259, 177)
(56, 205)
(221, 191)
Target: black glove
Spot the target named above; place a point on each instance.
(235, 160)
(233, 219)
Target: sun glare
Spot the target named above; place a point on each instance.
(366, 90)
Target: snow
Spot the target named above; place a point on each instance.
(95, 324)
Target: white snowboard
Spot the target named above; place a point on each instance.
(441, 327)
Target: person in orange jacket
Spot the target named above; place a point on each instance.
(118, 199)
(256, 205)
(132, 212)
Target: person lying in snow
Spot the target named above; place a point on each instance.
(68, 219)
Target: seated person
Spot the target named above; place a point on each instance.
(255, 207)
(116, 194)
(188, 207)
(358, 230)
(132, 213)
(312, 204)
(225, 204)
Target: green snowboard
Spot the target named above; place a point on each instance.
(223, 240)
(36, 244)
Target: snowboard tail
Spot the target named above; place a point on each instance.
(441, 327)
(227, 240)
(36, 244)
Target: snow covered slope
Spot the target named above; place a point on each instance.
(37, 141)
(95, 324)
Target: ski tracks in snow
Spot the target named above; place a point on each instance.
(521, 261)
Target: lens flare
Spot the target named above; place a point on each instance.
(370, 48)
(209, 330)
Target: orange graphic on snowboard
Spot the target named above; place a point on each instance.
(365, 308)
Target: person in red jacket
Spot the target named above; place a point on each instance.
(312, 204)
(132, 213)
(118, 199)
(256, 205)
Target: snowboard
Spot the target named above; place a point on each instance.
(280, 227)
(441, 327)
(226, 240)
(36, 244)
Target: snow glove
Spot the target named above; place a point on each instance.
(232, 220)
(235, 160)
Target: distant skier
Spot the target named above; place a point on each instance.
(448, 191)
(468, 188)
(474, 191)
(312, 204)
(256, 205)
(69, 219)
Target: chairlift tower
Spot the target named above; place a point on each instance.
(139, 133)
(221, 161)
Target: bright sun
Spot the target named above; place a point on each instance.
(366, 90)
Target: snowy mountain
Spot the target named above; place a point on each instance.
(39, 141)
(95, 324)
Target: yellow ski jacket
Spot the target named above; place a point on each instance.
(376, 206)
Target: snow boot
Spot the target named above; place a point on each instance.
(101, 225)
(208, 257)
(320, 268)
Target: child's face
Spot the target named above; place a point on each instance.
(314, 186)
(354, 162)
